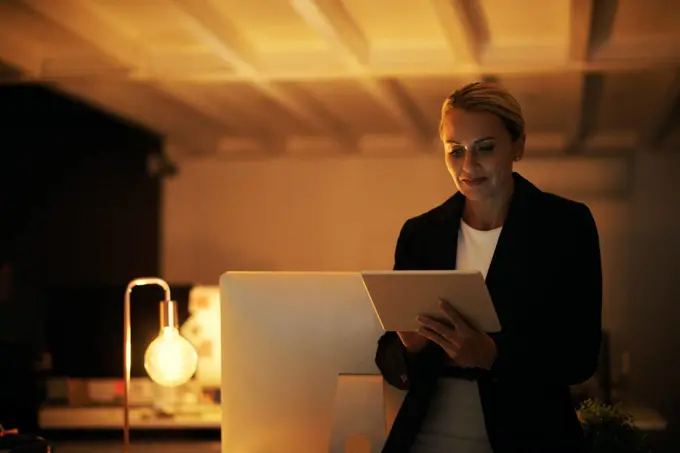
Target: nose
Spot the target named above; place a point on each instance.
(469, 161)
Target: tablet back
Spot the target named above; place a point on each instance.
(399, 296)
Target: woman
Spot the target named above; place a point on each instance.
(469, 391)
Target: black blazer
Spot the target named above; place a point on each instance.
(545, 280)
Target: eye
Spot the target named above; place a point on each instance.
(486, 147)
(455, 150)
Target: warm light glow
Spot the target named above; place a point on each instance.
(170, 359)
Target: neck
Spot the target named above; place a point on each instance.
(490, 213)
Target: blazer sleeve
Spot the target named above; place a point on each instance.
(399, 367)
(563, 345)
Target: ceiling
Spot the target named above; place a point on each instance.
(265, 77)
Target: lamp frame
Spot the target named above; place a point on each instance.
(168, 316)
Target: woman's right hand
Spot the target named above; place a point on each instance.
(413, 341)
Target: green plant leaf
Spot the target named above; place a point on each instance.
(609, 429)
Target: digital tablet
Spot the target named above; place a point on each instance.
(398, 297)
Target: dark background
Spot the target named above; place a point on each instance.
(77, 204)
(79, 218)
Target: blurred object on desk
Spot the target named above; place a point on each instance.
(87, 392)
(202, 329)
(96, 404)
(139, 447)
(111, 418)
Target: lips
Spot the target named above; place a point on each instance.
(474, 181)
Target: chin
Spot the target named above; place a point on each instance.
(474, 193)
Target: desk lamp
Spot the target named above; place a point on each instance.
(170, 360)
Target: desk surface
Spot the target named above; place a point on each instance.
(138, 447)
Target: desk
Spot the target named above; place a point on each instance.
(138, 447)
(105, 417)
(646, 418)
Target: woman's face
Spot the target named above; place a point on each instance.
(479, 153)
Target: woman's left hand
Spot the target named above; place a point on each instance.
(466, 345)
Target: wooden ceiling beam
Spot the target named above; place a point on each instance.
(465, 28)
(136, 101)
(81, 19)
(229, 44)
(581, 28)
(587, 90)
(333, 22)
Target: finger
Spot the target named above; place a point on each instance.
(442, 329)
(456, 318)
(448, 346)
(447, 334)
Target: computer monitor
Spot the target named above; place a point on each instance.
(286, 336)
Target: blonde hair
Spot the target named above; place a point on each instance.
(488, 97)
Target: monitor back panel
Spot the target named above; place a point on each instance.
(286, 337)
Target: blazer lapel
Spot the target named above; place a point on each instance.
(448, 234)
(510, 259)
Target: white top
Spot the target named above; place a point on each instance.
(476, 248)
(455, 421)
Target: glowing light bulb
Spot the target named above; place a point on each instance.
(170, 359)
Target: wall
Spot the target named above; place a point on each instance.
(654, 288)
(327, 214)
(345, 214)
